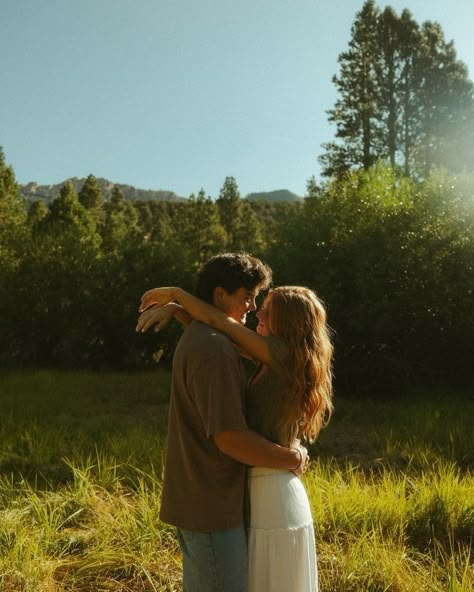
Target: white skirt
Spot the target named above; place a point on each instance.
(281, 547)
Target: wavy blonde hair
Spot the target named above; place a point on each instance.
(298, 316)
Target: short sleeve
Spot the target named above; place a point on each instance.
(279, 351)
(217, 390)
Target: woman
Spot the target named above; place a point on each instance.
(288, 397)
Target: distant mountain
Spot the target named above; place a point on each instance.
(34, 192)
(278, 195)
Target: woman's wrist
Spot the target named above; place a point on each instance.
(299, 466)
(176, 294)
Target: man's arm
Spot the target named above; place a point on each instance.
(254, 450)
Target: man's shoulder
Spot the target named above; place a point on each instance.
(204, 341)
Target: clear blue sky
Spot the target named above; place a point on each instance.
(179, 94)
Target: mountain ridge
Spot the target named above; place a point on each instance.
(276, 195)
(33, 191)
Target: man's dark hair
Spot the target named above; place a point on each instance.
(232, 271)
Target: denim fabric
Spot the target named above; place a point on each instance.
(214, 561)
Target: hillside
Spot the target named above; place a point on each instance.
(278, 195)
(34, 192)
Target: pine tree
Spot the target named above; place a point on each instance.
(13, 219)
(204, 234)
(90, 196)
(403, 98)
(120, 229)
(388, 73)
(445, 102)
(408, 130)
(238, 219)
(356, 113)
(56, 282)
(37, 213)
(249, 233)
(70, 228)
(229, 205)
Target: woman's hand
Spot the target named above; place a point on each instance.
(157, 315)
(159, 296)
(304, 458)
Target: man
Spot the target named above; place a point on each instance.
(209, 443)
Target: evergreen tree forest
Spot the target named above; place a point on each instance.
(386, 240)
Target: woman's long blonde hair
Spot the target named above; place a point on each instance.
(298, 316)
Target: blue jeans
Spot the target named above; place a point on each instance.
(214, 561)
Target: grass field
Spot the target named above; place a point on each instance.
(390, 484)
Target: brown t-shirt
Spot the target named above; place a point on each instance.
(203, 488)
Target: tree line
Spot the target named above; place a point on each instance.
(391, 257)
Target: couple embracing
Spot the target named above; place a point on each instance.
(233, 454)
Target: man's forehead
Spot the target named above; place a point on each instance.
(253, 292)
(248, 292)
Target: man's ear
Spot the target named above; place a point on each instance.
(219, 294)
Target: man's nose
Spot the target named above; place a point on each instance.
(253, 305)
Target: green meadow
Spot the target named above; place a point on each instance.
(81, 457)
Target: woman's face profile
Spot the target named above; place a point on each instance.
(262, 316)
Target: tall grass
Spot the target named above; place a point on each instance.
(393, 530)
(99, 531)
(391, 489)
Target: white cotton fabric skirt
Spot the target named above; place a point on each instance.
(281, 546)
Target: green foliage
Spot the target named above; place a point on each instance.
(69, 228)
(13, 219)
(199, 231)
(90, 196)
(37, 213)
(391, 257)
(50, 317)
(120, 230)
(356, 112)
(238, 219)
(393, 261)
